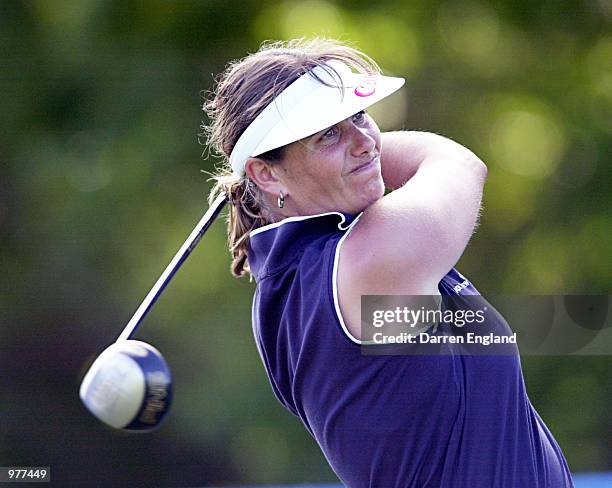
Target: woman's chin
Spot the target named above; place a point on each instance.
(373, 191)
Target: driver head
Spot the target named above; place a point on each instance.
(128, 386)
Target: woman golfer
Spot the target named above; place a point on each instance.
(306, 174)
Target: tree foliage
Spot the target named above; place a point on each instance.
(101, 180)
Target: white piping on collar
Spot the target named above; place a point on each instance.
(342, 225)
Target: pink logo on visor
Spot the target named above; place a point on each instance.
(366, 88)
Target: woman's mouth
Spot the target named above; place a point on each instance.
(367, 166)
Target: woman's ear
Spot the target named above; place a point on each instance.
(263, 175)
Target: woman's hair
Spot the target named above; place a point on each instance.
(242, 91)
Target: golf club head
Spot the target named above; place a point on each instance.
(128, 386)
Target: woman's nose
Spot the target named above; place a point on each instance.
(362, 142)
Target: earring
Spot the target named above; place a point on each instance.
(280, 201)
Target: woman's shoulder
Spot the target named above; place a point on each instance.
(295, 242)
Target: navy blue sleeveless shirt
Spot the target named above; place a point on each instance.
(388, 421)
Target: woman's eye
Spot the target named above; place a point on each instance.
(359, 117)
(331, 132)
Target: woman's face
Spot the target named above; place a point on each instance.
(337, 169)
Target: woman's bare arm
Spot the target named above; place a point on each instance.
(409, 239)
(404, 151)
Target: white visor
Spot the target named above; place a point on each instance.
(308, 106)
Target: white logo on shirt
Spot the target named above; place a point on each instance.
(461, 286)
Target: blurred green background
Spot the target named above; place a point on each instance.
(100, 183)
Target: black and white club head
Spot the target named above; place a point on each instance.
(128, 386)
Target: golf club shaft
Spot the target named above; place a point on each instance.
(180, 257)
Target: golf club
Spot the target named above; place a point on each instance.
(129, 385)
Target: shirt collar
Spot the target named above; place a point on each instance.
(273, 246)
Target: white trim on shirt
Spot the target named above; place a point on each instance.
(335, 286)
(341, 224)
